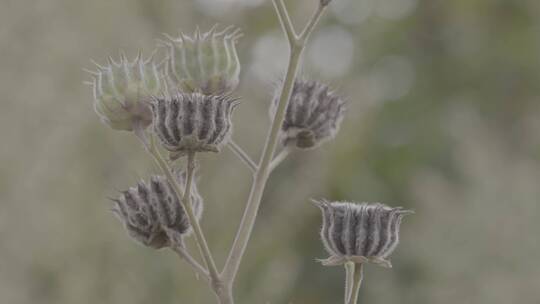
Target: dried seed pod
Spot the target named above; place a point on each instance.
(205, 63)
(122, 91)
(193, 122)
(314, 114)
(153, 215)
(359, 232)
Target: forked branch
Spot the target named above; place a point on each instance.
(296, 48)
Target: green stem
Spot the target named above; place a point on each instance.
(349, 277)
(281, 156)
(297, 45)
(357, 282)
(242, 155)
(311, 24)
(285, 21)
(261, 177)
(186, 203)
(184, 254)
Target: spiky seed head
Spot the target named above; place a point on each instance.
(366, 232)
(314, 114)
(122, 91)
(206, 62)
(193, 122)
(153, 215)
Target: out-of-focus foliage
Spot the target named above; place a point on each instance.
(444, 118)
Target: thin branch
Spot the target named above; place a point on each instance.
(282, 155)
(242, 155)
(304, 36)
(184, 254)
(201, 240)
(285, 21)
(357, 282)
(349, 277)
(186, 203)
(261, 176)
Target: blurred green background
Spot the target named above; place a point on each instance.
(444, 118)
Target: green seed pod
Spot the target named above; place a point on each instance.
(206, 63)
(153, 215)
(122, 91)
(359, 232)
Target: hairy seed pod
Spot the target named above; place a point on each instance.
(122, 91)
(314, 114)
(359, 232)
(153, 215)
(193, 122)
(207, 63)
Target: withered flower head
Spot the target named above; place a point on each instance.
(193, 122)
(206, 63)
(153, 215)
(360, 232)
(122, 91)
(314, 114)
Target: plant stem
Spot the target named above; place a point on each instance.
(311, 24)
(357, 282)
(186, 203)
(201, 240)
(225, 295)
(281, 156)
(261, 176)
(182, 252)
(242, 155)
(349, 277)
(285, 21)
(296, 45)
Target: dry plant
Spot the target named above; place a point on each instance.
(186, 102)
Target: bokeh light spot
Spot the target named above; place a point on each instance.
(331, 52)
(269, 56)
